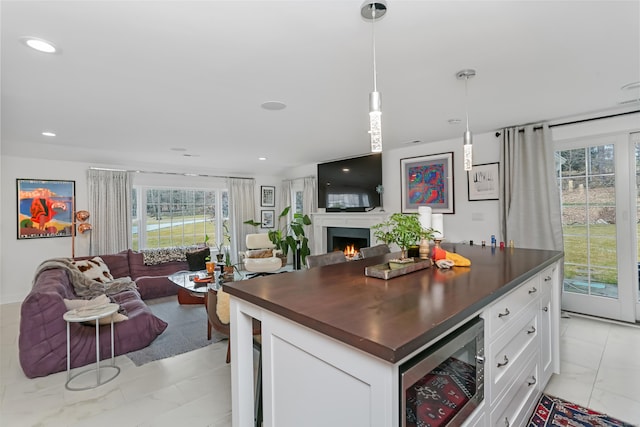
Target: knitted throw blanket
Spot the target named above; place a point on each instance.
(82, 285)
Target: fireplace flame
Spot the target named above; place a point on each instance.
(350, 251)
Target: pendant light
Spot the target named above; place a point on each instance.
(468, 138)
(374, 9)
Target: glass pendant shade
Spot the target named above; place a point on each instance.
(375, 122)
(372, 9)
(468, 150)
(468, 137)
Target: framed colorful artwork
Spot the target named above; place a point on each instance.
(267, 196)
(45, 208)
(427, 181)
(484, 182)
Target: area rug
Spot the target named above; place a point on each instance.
(187, 331)
(553, 411)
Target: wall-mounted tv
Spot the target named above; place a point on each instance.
(350, 184)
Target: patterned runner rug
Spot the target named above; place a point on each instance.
(553, 411)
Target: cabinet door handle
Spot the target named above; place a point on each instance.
(506, 313)
(546, 279)
(532, 330)
(504, 363)
(506, 422)
(532, 381)
(533, 290)
(545, 309)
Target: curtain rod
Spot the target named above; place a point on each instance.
(573, 122)
(169, 173)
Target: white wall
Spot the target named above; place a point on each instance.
(476, 220)
(472, 220)
(21, 257)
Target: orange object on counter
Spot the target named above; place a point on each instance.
(458, 260)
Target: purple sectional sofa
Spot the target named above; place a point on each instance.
(42, 341)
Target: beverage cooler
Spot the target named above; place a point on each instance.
(443, 384)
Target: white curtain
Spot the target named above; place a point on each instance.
(110, 207)
(285, 200)
(530, 212)
(309, 203)
(241, 209)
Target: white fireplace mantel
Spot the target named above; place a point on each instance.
(321, 221)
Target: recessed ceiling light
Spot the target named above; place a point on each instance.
(48, 133)
(262, 158)
(415, 141)
(454, 121)
(40, 45)
(273, 105)
(190, 155)
(345, 169)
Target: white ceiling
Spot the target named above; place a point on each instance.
(136, 80)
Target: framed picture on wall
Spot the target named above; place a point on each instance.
(484, 182)
(427, 181)
(267, 219)
(267, 196)
(45, 208)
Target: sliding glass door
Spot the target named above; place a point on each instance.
(598, 181)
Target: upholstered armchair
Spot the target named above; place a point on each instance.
(261, 257)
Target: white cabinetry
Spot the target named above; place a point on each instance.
(521, 347)
(549, 323)
(312, 379)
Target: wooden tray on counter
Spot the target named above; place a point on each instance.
(383, 271)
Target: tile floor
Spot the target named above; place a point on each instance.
(600, 364)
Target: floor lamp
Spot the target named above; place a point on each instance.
(79, 225)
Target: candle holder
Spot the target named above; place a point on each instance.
(424, 251)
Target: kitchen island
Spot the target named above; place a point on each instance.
(333, 339)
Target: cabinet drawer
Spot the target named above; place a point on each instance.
(518, 402)
(509, 352)
(547, 277)
(505, 310)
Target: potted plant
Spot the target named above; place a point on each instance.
(228, 269)
(289, 234)
(220, 246)
(404, 230)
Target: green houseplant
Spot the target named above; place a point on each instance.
(288, 233)
(222, 245)
(402, 229)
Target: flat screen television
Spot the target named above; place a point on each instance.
(350, 184)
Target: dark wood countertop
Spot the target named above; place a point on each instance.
(392, 318)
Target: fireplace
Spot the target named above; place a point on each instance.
(322, 222)
(339, 238)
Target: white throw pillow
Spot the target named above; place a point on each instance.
(223, 307)
(79, 304)
(95, 269)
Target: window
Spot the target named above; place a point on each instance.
(166, 217)
(299, 199)
(587, 185)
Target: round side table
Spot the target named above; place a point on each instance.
(85, 315)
